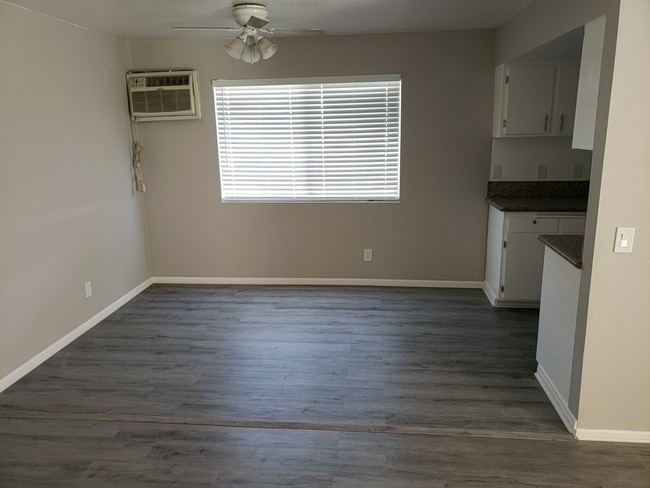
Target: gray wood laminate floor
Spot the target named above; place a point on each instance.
(300, 386)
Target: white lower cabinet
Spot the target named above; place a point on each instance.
(515, 255)
(556, 334)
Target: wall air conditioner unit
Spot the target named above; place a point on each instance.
(164, 95)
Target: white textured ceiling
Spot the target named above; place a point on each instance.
(153, 19)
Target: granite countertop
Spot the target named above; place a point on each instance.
(545, 204)
(567, 246)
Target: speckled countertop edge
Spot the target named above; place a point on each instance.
(538, 189)
(567, 246)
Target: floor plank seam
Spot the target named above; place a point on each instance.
(351, 429)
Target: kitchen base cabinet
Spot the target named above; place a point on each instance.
(556, 335)
(522, 266)
(515, 256)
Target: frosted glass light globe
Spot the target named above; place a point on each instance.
(250, 55)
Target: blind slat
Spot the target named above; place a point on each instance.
(309, 141)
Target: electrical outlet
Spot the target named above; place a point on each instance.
(89, 289)
(578, 168)
(496, 172)
(367, 254)
(542, 170)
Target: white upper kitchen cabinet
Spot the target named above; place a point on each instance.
(564, 104)
(527, 99)
(535, 99)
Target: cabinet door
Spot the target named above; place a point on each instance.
(523, 265)
(529, 99)
(524, 257)
(566, 92)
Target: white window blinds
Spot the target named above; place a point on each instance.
(333, 139)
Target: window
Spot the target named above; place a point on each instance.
(309, 140)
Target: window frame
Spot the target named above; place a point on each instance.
(220, 83)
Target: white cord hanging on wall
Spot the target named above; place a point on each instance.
(136, 148)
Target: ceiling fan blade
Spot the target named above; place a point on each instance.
(257, 22)
(225, 29)
(301, 32)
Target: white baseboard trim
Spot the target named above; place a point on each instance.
(491, 296)
(604, 435)
(556, 399)
(50, 351)
(495, 302)
(198, 280)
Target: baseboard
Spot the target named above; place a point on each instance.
(604, 435)
(495, 302)
(515, 304)
(556, 399)
(198, 280)
(50, 351)
(489, 293)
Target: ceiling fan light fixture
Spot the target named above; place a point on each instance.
(266, 48)
(244, 11)
(236, 48)
(252, 18)
(250, 55)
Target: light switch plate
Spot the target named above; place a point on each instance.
(542, 169)
(496, 172)
(624, 239)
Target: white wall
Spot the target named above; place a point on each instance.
(68, 210)
(436, 232)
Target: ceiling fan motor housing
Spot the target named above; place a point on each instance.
(243, 12)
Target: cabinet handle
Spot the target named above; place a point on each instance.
(561, 122)
(545, 122)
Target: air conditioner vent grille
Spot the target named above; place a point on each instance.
(167, 80)
(153, 102)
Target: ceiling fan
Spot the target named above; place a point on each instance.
(249, 45)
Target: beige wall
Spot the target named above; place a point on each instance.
(542, 21)
(519, 157)
(437, 231)
(611, 376)
(615, 388)
(68, 212)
